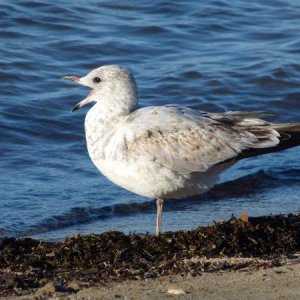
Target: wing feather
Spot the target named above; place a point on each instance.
(187, 140)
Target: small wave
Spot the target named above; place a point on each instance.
(151, 30)
(247, 185)
(82, 215)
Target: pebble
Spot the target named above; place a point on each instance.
(175, 291)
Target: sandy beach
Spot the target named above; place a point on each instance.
(264, 283)
(257, 281)
(252, 258)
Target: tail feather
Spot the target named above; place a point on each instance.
(289, 138)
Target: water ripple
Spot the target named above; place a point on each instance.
(211, 55)
(244, 186)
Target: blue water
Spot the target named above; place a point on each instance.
(210, 55)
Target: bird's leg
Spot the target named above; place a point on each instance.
(159, 205)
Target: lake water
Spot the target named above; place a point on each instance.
(209, 55)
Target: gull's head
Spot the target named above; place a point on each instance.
(112, 86)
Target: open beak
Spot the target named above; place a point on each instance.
(80, 104)
(73, 78)
(85, 101)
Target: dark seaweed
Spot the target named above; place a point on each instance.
(26, 263)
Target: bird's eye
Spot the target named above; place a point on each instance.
(96, 79)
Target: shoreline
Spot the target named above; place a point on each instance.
(114, 261)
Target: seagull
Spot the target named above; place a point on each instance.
(170, 151)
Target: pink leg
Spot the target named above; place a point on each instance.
(159, 204)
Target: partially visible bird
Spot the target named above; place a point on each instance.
(168, 151)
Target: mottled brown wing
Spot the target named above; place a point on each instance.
(187, 140)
